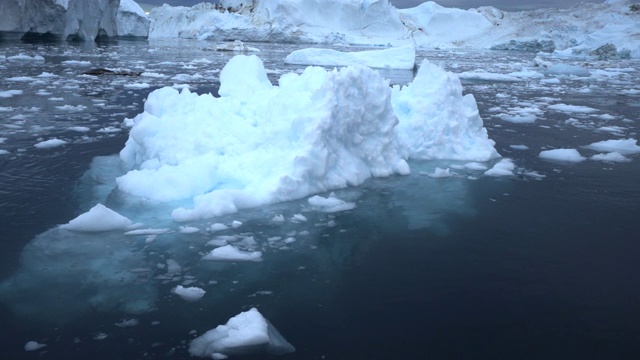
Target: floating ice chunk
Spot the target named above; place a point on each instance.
(330, 203)
(236, 224)
(188, 229)
(230, 253)
(622, 146)
(173, 267)
(190, 294)
(217, 227)
(33, 345)
(611, 157)
(147, 232)
(23, 57)
(48, 144)
(519, 147)
(298, 218)
(10, 93)
(278, 218)
(475, 166)
(565, 69)
(572, 108)
(563, 155)
(127, 323)
(518, 119)
(244, 334)
(504, 168)
(71, 108)
(76, 63)
(137, 86)
(403, 57)
(99, 218)
(79, 128)
(100, 336)
(237, 46)
(440, 173)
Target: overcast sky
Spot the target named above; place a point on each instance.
(509, 5)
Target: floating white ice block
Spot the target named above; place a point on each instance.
(99, 218)
(244, 334)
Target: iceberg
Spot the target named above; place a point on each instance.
(581, 30)
(244, 334)
(403, 57)
(318, 131)
(72, 19)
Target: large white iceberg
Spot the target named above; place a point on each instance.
(306, 21)
(73, 19)
(315, 132)
(244, 334)
(582, 29)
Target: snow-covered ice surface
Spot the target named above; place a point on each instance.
(606, 30)
(332, 265)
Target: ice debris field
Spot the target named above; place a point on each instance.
(283, 151)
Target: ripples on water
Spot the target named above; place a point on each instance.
(516, 268)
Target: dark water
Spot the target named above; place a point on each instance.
(493, 268)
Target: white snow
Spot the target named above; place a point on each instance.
(231, 253)
(562, 155)
(99, 218)
(131, 20)
(318, 131)
(244, 334)
(622, 146)
(189, 294)
(403, 57)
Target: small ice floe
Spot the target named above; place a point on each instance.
(137, 86)
(504, 168)
(190, 294)
(71, 108)
(572, 108)
(622, 146)
(610, 157)
(298, 218)
(519, 147)
(440, 173)
(217, 227)
(100, 336)
(237, 46)
(33, 345)
(48, 144)
(23, 57)
(244, 334)
(562, 155)
(98, 218)
(278, 218)
(230, 253)
(10, 93)
(127, 323)
(188, 229)
(236, 224)
(173, 267)
(76, 63)
(330, 204)
(475, 166)
(147, 232)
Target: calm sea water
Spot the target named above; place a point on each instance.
(522, 267)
